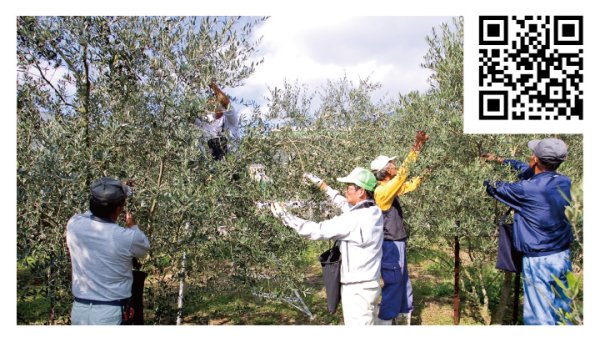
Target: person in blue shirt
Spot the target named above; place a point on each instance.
(541, 230)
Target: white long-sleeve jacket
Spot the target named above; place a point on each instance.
(337, 199)
(360, 230)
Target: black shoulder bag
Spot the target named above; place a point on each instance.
(331, 262)
(508, 259)
(133, 309)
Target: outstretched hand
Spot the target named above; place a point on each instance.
(129, 219)
(278, 209)
(491, 157)
(309, 177)
(420, 140)
(219, 95)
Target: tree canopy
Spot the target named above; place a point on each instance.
(124, 104)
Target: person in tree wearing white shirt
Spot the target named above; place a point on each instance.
(102, 253)
(360, 231)
(220, 124)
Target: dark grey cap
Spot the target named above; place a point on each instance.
(110, 191)
(549, 149)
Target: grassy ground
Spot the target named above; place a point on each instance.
(34, 307)
(432, 278)
(431, 273)
(242, 308)
(433, 289)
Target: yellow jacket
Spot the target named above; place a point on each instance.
(386, 191)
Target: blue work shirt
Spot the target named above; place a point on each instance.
(540, 224)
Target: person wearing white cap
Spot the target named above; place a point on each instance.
(541, 230)
(360, 231)
(396, 296)
(102, 254)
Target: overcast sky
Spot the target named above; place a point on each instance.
(389, 50)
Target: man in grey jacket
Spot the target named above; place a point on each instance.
(360, 230)
(101, 255)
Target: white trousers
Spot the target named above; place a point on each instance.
(358, 302)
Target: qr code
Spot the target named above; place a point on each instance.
(530, 67)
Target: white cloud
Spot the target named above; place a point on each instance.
(312, 50)
(51, 73)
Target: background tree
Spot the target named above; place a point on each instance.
(124, 93)
(348, 130)
(122, 101)
(451, 202)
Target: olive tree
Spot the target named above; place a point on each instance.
(127, 93)
(452, 201)
(349, 130)
(116, 96)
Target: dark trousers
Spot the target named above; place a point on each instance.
(396, 294)
(218, 147)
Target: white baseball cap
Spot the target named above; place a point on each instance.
(380, 162)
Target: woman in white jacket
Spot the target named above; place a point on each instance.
(360, 230)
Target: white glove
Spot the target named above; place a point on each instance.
(278, 209)
(312, 178)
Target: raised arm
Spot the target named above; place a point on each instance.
(221, 97)
(344, 227)
(525, 171)
(336, 198)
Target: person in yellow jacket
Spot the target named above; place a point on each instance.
(396, 295)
